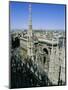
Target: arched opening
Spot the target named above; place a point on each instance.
(45, 50)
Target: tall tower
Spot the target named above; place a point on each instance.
(30, 38)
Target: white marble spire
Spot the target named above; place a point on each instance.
(30, 40)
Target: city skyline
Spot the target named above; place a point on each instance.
(44, 16)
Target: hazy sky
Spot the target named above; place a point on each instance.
(44, 16)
